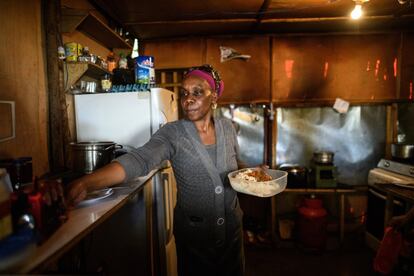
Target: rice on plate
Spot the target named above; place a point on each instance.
(258, 182)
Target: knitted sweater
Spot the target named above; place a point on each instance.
(207, 208)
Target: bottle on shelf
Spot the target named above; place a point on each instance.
(135, 52)
(111, 61)
(106, 82)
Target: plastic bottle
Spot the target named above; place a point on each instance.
(111, 61)
(135, 53)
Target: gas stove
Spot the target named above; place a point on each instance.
(392, 172)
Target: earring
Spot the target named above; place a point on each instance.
(214, 106)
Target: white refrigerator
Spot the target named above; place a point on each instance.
(129, 119)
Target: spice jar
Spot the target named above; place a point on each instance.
(106, 82)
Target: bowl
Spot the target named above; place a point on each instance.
(260, 189)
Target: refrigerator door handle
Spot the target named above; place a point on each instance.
(168, 205)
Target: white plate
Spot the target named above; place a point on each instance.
(97, 195)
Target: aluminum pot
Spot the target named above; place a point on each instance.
(323, 157)
(402, 151)
(297, 175)
(89, 156)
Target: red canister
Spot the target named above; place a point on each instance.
(312, 223)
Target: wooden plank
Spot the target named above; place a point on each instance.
(178, 53)
(58, 122)
(23, 81)
(354, 68)
(97, 29)
(245, 81)
(6, 121)
(71, 19)
(75, 70)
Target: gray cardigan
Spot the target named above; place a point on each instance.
(207, 208)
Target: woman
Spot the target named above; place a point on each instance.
(202, 151)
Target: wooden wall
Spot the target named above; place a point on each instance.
(23, 80)
(360, 68)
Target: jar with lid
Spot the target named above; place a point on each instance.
(106, 82)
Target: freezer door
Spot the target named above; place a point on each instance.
(124, 118)
(164, 107)
(165, 198)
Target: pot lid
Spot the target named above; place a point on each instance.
(92, 145)
(294, 168)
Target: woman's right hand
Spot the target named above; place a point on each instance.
(77, 191)
(104, 177)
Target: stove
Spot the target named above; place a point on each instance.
(392, 172)
(378, 210)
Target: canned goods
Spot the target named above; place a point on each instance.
(72, 51)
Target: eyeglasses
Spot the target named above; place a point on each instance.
(210, 70)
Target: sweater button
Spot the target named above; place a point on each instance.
(220, 221)
(218, 190)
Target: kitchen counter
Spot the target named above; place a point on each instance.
(82, 220)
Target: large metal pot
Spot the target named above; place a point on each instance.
(402, 151)
(297, 175)
(89, 156)
(323, 157)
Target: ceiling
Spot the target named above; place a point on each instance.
(157, 19)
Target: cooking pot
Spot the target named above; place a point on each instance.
(402, 151)
(323, 157)
(89, 156)
(297, 175)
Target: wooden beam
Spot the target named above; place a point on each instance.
(268, 20)
(262, 11)
(59, 133)
(203, 21)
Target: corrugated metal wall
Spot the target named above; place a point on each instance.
(357, 138)
(405, 123)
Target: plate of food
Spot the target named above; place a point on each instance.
(258, 181)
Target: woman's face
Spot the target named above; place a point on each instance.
(196, 97)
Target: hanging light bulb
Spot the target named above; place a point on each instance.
(356, 12)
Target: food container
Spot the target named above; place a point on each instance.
(323, 157)
(260, 189)
(144, 70)
(72, 51)
(89, 156)
(106, 82)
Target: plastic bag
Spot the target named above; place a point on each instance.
(388, 251)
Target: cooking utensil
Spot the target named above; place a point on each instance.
(89, 156)
(402, 151)
(297, 175)
(323, 157)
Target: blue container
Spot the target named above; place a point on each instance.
(144, 70)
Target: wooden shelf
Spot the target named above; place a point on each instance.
(92, 26)
(75, 70)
